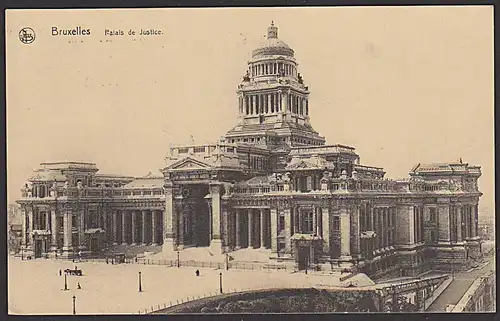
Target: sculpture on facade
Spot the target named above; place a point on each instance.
(246, 78)
(52, 190)
(27, 191)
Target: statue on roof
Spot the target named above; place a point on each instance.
(26, 191)
(299, 76)
(246, 78)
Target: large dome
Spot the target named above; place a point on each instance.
(272, 45)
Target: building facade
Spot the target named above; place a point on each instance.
(271, 183)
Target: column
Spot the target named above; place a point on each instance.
(296, 220)
(383, 231)
(274, 230)
(25, 226)
(355, 230)
(216, 242)
(68, 230)
(288, 228)
(53, 225)
(124, 226)
(134, 227)
(458, 213)
(47, 221)
(250, 228)
(315, 221)
(154, 227)
(225, 227)
(475, 220)
(168, 215)
(254, 104)
(238, 226)
(411, 225)
(284, 102)
(345, 234)
(444, 223)
(144, 228)
(180, 225)
(269, 103)
(262, 229)
(325, 216)
(81, 229)
(115, 227)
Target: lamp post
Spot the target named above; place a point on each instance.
(178, 262)
(74, 305)
(220, 282)
(65, 282)
(140, 282)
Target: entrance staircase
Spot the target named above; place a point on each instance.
(132, 251)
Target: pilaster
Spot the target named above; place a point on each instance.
(216, 242)
(288, 230)
(325, 216)
(168, 215)
(274, 230)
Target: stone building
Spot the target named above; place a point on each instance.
(271, 183)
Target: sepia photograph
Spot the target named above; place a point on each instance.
(250, 160)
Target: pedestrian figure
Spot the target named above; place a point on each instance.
(107, 261)
(197, 272)
(78, 286)
(60, 272)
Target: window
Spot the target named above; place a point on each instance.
(308, 223)
(183, 150)
(336, 223)
(199, 149)
(432, 214)
(281, 223)
(309, 186)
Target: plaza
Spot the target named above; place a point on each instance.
(35, 287)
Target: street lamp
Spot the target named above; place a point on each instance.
(220, 282)
(178, 262)
(65, 282)
(140, 282)
(74, 305)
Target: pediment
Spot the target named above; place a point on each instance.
(302, 165)
(188, 163)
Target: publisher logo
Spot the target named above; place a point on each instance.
(27, 35)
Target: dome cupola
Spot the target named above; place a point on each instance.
(272, 45)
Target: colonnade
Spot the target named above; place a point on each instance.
(249, 228)
(273, 102)
(272, 68)
(135, 227)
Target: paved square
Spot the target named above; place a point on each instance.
(35, 287)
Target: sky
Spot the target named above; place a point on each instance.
(403, 85)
